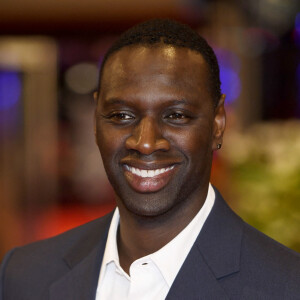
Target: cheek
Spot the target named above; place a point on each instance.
(109, 141)
(193, 141)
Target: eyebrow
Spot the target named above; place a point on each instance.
(177, 102)
(113, 101)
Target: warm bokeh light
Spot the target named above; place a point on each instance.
(82, 78)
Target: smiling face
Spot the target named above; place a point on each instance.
(156, 128)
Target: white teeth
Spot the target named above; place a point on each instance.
(151, 173)
(143, 173)
(147, 173)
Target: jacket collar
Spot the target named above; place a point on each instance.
(220, 239)
(84, 261)
(215, 255)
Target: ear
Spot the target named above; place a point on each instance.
(219, 124)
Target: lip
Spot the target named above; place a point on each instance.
(149, 177)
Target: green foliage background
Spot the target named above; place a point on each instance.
(265, 168)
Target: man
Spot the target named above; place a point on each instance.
(159, 118)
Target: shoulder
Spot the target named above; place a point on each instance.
(258, 248)
(38, 264)
(268, 266)
(60, 244)
(253, 242)
(261, 264)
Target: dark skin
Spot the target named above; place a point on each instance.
(155, 113)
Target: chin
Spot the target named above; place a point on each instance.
(148, 205)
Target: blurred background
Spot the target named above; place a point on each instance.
(51, 174)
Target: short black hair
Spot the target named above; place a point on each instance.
(170, 32)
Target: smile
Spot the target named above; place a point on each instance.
(147, 173)
(148, 180)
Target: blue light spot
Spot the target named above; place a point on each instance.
(10, 89)
(230, 83)
(229, 74)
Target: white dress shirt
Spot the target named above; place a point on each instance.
(150, 276)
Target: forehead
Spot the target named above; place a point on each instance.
(150, 67)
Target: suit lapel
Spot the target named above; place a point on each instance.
(196, 281)
(84, 261)
(215, 255)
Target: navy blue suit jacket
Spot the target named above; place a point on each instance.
(229, 260)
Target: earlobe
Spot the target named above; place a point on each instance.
(95, 95)
(219, 124)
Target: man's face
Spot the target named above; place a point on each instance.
(156, 127)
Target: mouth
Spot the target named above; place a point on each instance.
(148, 173)
(148, 180)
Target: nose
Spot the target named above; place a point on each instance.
(146, 138)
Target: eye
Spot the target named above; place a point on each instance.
(178, 118)
(120, 117)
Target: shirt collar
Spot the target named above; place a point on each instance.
(111, 248)
(169, 258)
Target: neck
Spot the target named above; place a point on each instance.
(139, 236)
